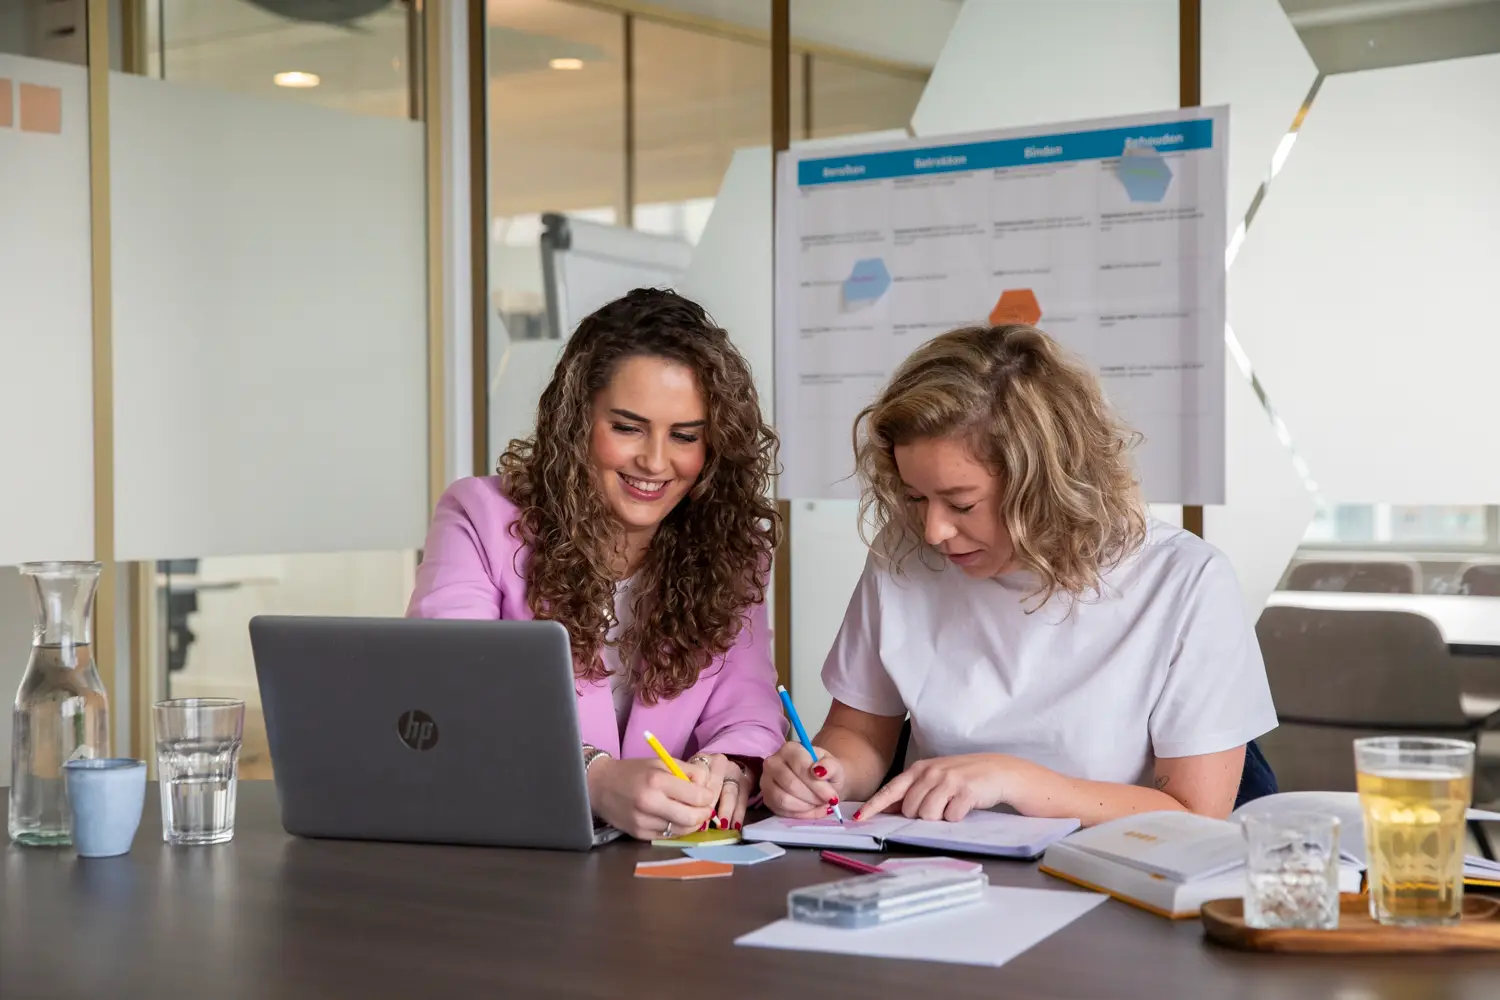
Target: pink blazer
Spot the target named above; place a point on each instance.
(473, 567)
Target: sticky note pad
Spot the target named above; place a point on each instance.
(736, 854)
(703, 838)
(682, 869)
(41, 109)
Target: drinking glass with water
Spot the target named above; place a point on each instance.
(198, 761)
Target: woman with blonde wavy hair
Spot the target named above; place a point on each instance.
(638, 517)
(1058, 652)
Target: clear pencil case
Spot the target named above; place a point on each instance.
(873, 900)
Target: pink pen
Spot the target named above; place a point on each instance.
(853, 864)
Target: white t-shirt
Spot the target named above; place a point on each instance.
(619, 677)
(1164, 664)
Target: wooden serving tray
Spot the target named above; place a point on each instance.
(1224, 923)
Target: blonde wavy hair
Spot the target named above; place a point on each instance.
(1037, 418)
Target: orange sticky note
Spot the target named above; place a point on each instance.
(41, 109)
(7, 108)
(682, 869)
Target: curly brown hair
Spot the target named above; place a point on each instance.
(707, 563)
(1039, 420)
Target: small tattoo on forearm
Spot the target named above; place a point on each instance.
(1161, 782)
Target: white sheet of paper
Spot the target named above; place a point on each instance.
(992, 932)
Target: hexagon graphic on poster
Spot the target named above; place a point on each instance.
(1016, 305)
(1144, 173)
(867, 282)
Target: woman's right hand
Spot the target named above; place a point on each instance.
(640, 797)
(795, 785)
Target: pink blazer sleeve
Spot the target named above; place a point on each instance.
(468, 563)
(742, 714)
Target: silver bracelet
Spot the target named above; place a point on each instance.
(591, 754)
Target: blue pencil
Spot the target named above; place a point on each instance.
(791, 713)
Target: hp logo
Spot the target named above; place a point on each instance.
(417, 730)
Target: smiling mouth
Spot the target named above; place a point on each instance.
(644, 489)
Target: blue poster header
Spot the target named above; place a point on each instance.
(1103, 144)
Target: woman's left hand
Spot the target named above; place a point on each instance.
(949, 788)
(726, 777)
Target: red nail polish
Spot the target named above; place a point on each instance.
(738, 825)
(856, 815)
(702, 828)
(820, 771)
(829, 812)
(834, 801)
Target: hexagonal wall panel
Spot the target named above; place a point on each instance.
(1363, 293)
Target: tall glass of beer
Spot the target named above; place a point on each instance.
(1415, 794)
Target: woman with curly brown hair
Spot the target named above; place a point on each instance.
(638, 517)
(1058, 653)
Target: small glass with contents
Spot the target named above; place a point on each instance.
(873, 900)
(1292, 870)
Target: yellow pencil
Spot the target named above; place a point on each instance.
(666, 758)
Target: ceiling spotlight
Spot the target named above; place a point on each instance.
(567, 62)
(296, 78)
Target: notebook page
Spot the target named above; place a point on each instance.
(866, 835)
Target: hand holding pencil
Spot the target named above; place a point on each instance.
(642, 796)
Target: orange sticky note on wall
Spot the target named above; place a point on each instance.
(7, 110)
(41, 109)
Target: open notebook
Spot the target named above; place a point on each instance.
(1000, 835)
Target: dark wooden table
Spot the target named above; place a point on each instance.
(272, 916)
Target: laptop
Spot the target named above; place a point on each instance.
(426, 731)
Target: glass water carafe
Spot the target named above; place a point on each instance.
(61, 710)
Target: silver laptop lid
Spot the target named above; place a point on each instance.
(442, 731)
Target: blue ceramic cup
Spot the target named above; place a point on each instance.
(106, 796)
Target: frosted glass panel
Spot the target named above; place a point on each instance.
(730, 274)
(270, 325)
(1254, 62)
(1024, 62)
(46, 331)
(1268, 507)
(1364, 293)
